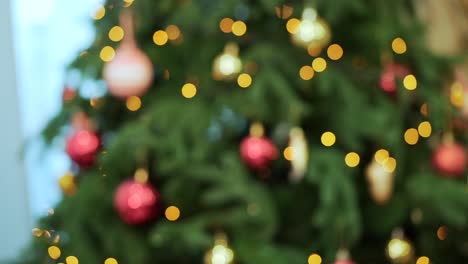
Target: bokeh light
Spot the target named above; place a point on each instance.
(111, 261)
(306, 72)
(189, 90)
(410, 82)
(160, 37)
(293, 25)
(411, 136)
(239, 28)
(284, 11)
(314, 259)
(37, 232)
(172, 213)
(107, 53)
(424, 110)
(133, 103)
(72, 260)
(352, 159)
(244, 80)
(423, 260)
(335, 52)
(457, 96)
(54, 252)
(226, 25)
(425, 129)
(141, 176)
(287, 153)
(328, 139)
(100, 13)
(381, 156)
(314, 51)
(116, 33)
(173, 32)
(390, 165)
(319, 64)
(399, 46)
(442, 233)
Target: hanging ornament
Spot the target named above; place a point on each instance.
(81, 121)
(82, 147)
(227, 65)
(136, 202)
(312, 32)
(450, 158)
(389, 76)
(220, 253)
(342, 257)
(67, 184)
(130, 73)
(299, 154)
(380, 181)
(399, 249)
(68, 94)
(256, 150)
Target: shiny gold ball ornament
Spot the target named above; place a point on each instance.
(312, 32)
(220, 253)
(67, 184)
(380, 180)
(400, 250)
(227, 65)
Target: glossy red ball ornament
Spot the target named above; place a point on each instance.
(389, 76)
(450, 159)
(136, 203)
(258, 152)
(82, 147)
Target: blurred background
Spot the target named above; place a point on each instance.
(37, 41)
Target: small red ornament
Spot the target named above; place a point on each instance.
(390, 74)
(136, 203)
(258, 152)
(68, 94)
(82, 147)
(450, 159)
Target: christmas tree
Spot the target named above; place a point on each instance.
(260, 132)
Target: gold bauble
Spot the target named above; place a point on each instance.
(312, 32)
(220, 253)
(227, 65)
(380, 182)
(67, 184)
(399, 249)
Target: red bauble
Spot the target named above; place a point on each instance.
(258, 152)
(82, 147)
(136, 203)
(390, 74)
(450, 159)
(68, 94)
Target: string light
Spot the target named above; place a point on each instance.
(411, 136)
(107, 53)
(133, 103)
(381, 156)
(189, 90)
(292, 26)
(244, 80)
(319, 64)
(100, 13)
(54, 252)
(425, 129)
(160, 37)
(328, 139)
(226, 25)
(72, 260)
(410, 82)
(287, 153)
(390, 165)
(172, 213)
(111, 261)
(314, 259)
(423, 260)
(335, 52)
(306, 72)
(399, 46)
(116, 34)
(352, 159)
(239, 28)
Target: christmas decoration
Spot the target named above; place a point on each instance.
(380, 182)
(389, 76)
(227, 65)
(136, 202)
(68, 94)
(299, 154)
(220, 253)
(67, 184)
(312, 32)
(400, 250)
(81, 121)
(131, 71)
(82, 147)
(256, 150)
(450, 158)
(342, 257)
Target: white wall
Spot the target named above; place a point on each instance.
(15, 220)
